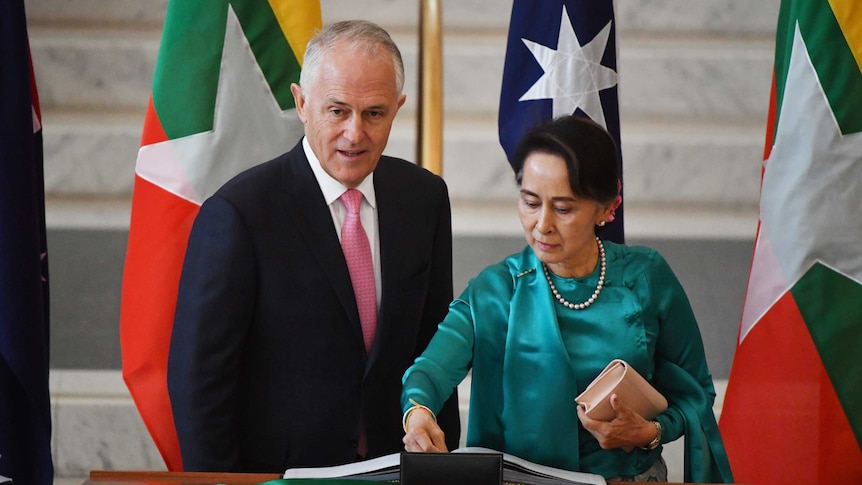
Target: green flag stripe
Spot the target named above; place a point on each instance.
(829, 303)
(274, 55)
(835, 65)
(187, 69)
(832, 57)
(186, 77)
(783, 49)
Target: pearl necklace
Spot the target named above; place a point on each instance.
(581, 306)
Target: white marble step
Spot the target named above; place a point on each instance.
(96, 13)
(89, 69)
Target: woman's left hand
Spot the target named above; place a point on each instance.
(626, 430)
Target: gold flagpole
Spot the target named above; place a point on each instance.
(430, 107)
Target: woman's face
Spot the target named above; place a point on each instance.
(558, 225)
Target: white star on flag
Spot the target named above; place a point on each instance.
(574, 74)
(805, 200)
(249, 128)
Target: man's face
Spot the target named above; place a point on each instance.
(348, 111)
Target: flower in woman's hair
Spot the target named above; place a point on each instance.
(617, 201)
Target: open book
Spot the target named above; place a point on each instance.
(382, 468)
(633, 390)
(515, 470)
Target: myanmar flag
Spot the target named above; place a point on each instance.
(220, 103)
(793, 408)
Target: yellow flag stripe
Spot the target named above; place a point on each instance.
(849, 16)
(299, 20)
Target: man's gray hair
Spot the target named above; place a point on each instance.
(358, 34)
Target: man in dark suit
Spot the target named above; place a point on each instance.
(268, 368)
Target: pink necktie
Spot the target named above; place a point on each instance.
(357, 252)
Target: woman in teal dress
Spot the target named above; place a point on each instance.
(537, 327)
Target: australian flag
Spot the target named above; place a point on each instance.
(25, 417)
(561, 59)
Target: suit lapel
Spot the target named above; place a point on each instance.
(303, 202)
(392, 221)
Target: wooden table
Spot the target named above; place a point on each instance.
(105, 477)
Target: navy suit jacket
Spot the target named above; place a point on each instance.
(267, 367)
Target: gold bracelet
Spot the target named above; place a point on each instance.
(406, 418)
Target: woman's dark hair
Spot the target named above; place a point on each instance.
(588, 149)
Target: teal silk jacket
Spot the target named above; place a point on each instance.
(530, 356)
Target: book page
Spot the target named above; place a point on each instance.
(391, 462)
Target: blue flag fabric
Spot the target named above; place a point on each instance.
(561, 60)
(25, 418)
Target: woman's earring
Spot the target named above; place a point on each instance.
(602, 224)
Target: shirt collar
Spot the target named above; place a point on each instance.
(333, 189)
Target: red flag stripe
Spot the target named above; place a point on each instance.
(765, 421)
(158, 237)
(153, 130)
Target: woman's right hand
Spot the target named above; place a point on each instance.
(626, 430)
(423, 433)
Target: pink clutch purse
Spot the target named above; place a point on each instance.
(633, 390)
